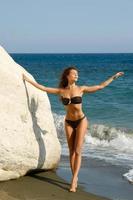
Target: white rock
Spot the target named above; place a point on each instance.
(28, 138)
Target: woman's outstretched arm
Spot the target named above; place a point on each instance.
(103, 84)
(41, 87)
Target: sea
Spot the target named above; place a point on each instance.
(109, 137)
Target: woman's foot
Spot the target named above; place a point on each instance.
(74, 185)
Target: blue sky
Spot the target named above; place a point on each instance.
(66, 26)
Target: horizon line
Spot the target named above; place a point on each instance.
(70, 53)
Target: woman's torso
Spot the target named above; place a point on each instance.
(72, 100)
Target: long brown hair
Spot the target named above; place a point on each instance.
(63, 80)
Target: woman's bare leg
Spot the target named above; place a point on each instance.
(70, 134)
(80, 133)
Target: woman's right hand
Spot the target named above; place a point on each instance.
(24, 77)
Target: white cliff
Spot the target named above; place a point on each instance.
(28, 138)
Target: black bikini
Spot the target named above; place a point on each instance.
(74, 100)
(74, 124)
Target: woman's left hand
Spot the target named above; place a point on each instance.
(119, 74)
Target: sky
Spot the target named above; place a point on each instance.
(66, 26)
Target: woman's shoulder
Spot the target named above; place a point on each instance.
(81, 87)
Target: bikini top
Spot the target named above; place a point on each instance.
(73, 100)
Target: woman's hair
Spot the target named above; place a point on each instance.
(63, 80)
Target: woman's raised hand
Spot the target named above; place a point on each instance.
(118, 74)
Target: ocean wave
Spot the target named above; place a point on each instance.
(101, 135)
(59, 123)
(114, 145)
(129, 176)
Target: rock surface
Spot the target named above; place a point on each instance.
(28, 137)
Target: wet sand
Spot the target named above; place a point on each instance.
(100, 178)
(42, 186)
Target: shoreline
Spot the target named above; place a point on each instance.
(100, 178)
(46, 185)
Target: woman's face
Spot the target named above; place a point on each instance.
(73, 75)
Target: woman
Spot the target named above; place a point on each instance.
(75, 121)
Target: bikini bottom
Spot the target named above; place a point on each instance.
(74, 124)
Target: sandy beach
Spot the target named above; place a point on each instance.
(42, 186)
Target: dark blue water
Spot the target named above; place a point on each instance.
(112, 106)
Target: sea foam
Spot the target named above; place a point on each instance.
(129, 176)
